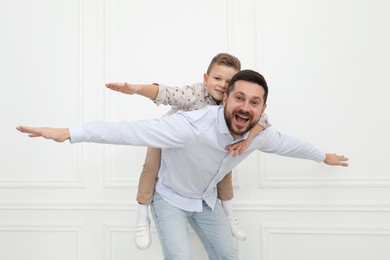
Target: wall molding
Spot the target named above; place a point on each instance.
(68, 205)
(239, 206)
(266, 230)
(265, 180)
(43, 184)
(109, 182)
(346, 206)
(62, 183)
(29, 226)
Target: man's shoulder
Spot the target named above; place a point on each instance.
(205, 113)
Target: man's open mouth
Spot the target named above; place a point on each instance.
(241, 119)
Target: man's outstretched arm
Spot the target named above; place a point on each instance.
(56, 134)
(173, 131)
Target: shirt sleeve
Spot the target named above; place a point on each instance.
(272, 141)
(167, 132)
(186, 97)
(264, 121)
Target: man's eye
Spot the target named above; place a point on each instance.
(238, 98)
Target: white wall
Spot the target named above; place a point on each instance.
(326, 63)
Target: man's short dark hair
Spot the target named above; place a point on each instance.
(249, 76)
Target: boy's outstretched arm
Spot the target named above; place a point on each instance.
(56, 134)
(146, 90)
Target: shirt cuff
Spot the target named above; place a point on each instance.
(76, 134)
(161, 95)
(321, 158)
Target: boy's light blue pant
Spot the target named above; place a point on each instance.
(212, 227)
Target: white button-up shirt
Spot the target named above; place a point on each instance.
(193, 144)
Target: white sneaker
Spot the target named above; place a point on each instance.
(142, 235)
(236, 229)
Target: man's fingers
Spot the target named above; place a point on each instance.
(56, 134)
(343, 160)
(342, 163)
(31, 131)
(26, 129)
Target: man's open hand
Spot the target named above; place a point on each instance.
(337, 160)
(56, 134)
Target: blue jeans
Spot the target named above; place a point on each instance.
(212, 227)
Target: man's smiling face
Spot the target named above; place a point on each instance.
(243, 107)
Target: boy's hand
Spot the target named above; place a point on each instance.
(238, 148)
(125, 88)
(56, 134)
(241, 146)
(334, 159)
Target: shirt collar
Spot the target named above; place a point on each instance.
(207, 95)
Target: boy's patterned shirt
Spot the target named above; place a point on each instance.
(187, 98)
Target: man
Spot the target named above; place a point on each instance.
(195, 158)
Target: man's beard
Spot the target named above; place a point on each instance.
(228, 119)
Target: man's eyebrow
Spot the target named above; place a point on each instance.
(242, 93)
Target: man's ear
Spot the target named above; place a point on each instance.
(263, 109)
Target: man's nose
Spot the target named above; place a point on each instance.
(245, 105)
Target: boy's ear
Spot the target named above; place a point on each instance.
(205, 78)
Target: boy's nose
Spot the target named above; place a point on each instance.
(225, 86)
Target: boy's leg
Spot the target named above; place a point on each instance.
(147, 183)
(225, 194)
(225, 187)
(147, 180)
(172, 228)
(213, 229)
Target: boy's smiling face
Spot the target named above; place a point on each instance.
(218, 80)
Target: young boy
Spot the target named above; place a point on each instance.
(215, 82)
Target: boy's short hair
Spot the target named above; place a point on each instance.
(225, 59)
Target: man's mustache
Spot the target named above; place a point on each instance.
(244, 113)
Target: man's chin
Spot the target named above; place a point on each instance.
(240, 131)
